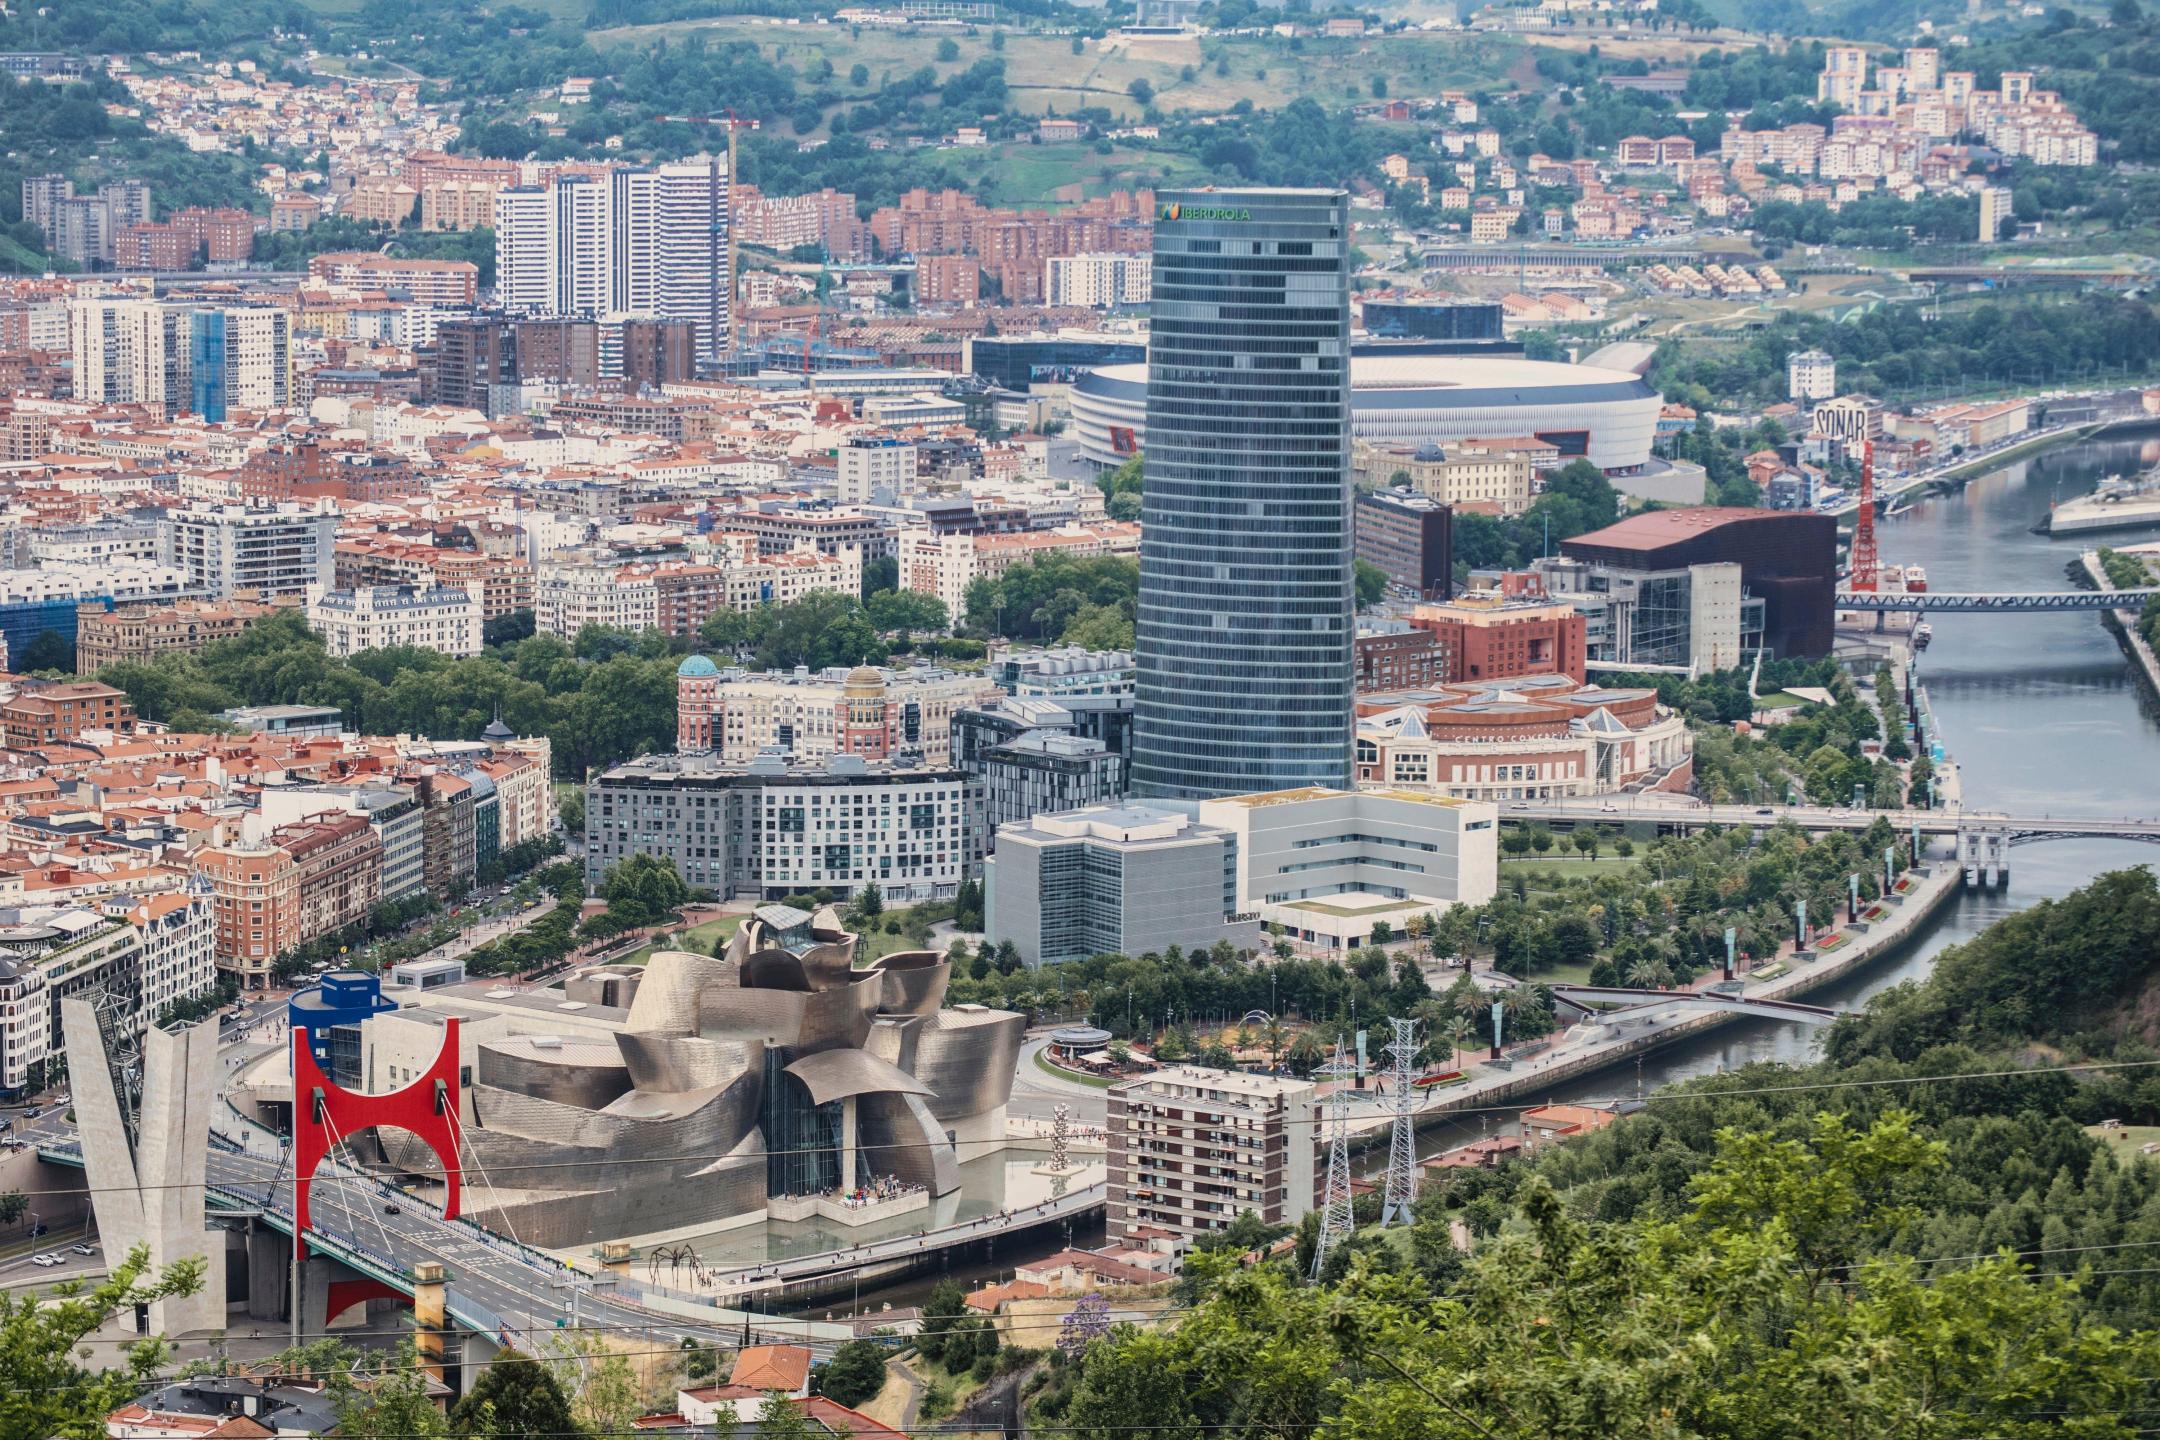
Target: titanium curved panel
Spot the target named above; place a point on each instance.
(669, 1064)
(836, 1074)
(899, 1136)
(892, 1039)
(830, 964)
(666, 1002)
(774, 1017)
(915, 981)
(967, 1060)
(587, 1074)
(775, 969)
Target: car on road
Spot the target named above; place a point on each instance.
(81, 1249)
(391, 1210)
(46, 1260)
(33, 1112)
(1765, 810)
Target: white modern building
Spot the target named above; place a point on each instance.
(1098, 281)
(813, 714)
(1327, 864)
(1191, 1149)
(281, 549)
(1996, 214)
(1810, 375)
(1124, 879)
(1607, 416)
(380, 617)
(868, 466)
(771, 828)
(637, 241)
(569, 596)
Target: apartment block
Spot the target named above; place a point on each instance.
(1191, 1149)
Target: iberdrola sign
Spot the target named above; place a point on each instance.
(1180, 211)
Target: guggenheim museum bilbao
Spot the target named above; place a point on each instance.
(778, 1080)
(1404, 394)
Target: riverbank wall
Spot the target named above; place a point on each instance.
(2124, 624)
(1937, 885)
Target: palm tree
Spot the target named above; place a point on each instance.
(1649, 974)
(1275, 1037)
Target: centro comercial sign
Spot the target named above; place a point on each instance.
(1203, 212)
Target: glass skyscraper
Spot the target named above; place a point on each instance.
(1246, 600)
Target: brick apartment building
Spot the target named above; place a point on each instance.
(59, 713)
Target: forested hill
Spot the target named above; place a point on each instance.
(2081, 974)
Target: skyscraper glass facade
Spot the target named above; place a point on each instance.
(1246, 602)
(206, 365)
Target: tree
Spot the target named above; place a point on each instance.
(392, 1403)
(13, 1206)
(642, 889)
(905, 610)
(49, 1390)
(858, 75)
(1141, 91)
(942, 1313)
(514, 1396)
(854, 1374)
(1372, 583)
(1650, 1325)
(947, 51)
(868, 904)
(780, 1418)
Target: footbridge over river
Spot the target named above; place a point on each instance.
(1614, 999)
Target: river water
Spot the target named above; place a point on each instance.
(2042, 712)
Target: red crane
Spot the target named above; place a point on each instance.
(1864, 572)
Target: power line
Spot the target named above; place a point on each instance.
(1655, 1097)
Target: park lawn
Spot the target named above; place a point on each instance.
(1570, 866)
(701, 938)
(1099, 1082)
(1778, 700)
(2125, 1139)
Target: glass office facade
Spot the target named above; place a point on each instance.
(1245, 611)
(206, 366)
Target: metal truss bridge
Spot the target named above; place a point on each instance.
(2032, 602)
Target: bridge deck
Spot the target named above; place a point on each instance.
(1595, 999)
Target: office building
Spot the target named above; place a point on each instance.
(1787, 562)
(1410, 536)
(1810, 375)
(1444, 324)
(1124, 879)
(1327, 865)
(1496, 634)
(1192, 1149)
(380, 617)
(773, 828)
(1246, 606)
(1021, 362)
(1697, 616)
(268, 550)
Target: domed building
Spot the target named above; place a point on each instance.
(863, 708)
(697, 704)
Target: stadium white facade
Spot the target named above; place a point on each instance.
(1610, 416)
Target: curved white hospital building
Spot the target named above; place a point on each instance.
(1610, 416)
